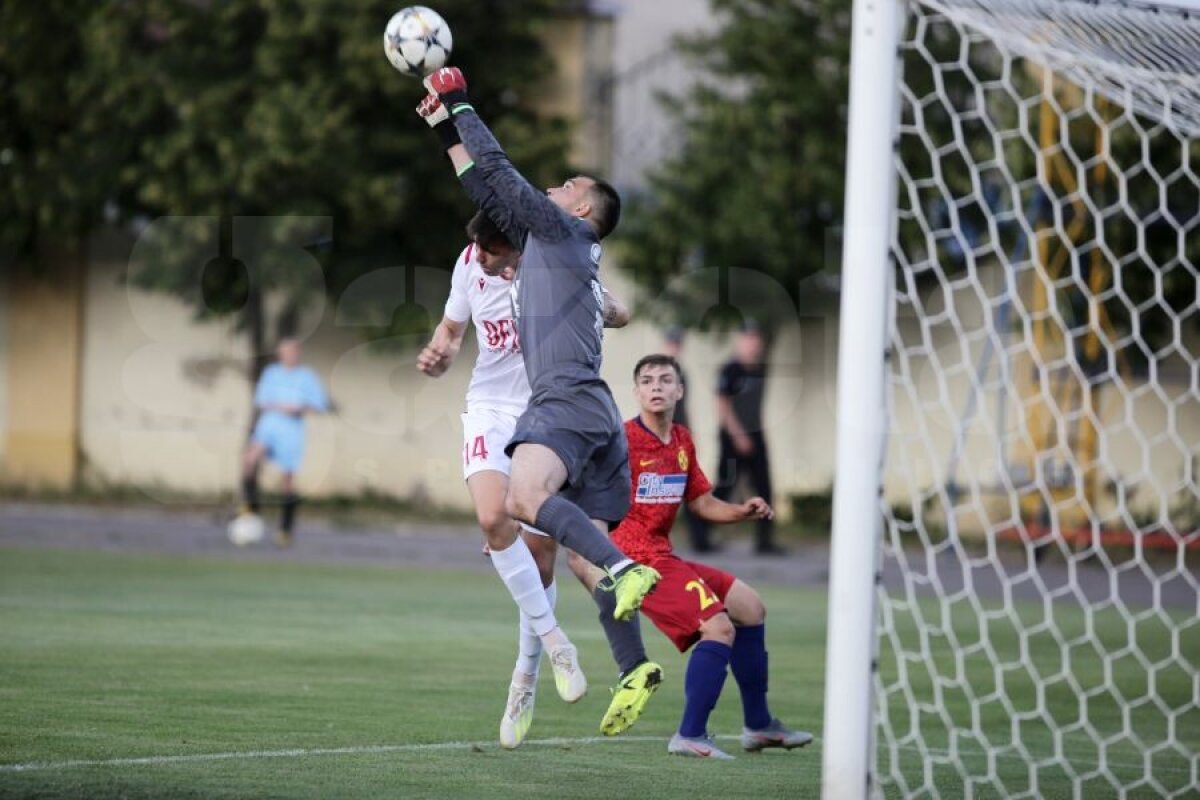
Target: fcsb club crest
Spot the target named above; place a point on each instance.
(482, 283)
(683, 459)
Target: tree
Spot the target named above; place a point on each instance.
(55, 174)
(216, 113)
(270, 108)
(757, 182)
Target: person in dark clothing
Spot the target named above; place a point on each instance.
(741, 385)
(698, 529)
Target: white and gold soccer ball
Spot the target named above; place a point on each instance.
(246, 529)
(417, 41)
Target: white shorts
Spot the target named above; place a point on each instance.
(485, 434)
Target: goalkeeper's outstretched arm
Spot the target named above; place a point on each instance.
(527, 207)
(438, 117)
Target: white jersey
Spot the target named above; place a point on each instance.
(498, 381)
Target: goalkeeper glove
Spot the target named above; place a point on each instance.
(450, 86)
(437, 117)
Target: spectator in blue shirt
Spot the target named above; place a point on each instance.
(286, 393)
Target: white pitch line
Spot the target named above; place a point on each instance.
(42, 766)
(45, 766)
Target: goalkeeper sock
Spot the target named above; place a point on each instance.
(572, 528)
(624, 638)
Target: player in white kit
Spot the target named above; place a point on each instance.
(498, 394)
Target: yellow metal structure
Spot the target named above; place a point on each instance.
(1062, 404)
(45, 328)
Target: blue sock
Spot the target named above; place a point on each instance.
(749, 665)
(702, 685)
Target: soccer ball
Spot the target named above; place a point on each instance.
(417, 41)
(246, 529)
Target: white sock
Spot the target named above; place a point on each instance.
(519, 572)
(529, 644)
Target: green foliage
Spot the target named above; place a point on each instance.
(259, 108)
(757, 184)
(281, 107)
(55, 173)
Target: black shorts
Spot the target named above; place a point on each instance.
(582, 433)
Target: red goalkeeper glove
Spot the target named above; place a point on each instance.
(437, 117)
(450, 86)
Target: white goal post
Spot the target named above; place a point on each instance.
(1015, 568)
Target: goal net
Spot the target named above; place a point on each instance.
(1038, 609)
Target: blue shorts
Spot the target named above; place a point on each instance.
(283, 439)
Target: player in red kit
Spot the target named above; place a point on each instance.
(693, 604)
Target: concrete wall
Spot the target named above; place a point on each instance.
(42, 375)
(166, 401)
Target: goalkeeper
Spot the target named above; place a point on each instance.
(570, 464)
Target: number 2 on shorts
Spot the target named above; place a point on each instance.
(706, 598)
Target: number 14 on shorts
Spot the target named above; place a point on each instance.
(475, 449)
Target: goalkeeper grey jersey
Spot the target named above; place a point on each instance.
(557, 300)
(558, 307)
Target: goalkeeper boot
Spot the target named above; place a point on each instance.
(518, 715)
(632, 585)
(630, 697)
(696, 747)
(568, 675)
(774, 735)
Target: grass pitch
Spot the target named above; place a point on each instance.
(135, 676)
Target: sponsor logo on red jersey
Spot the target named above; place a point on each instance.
(655, 488)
